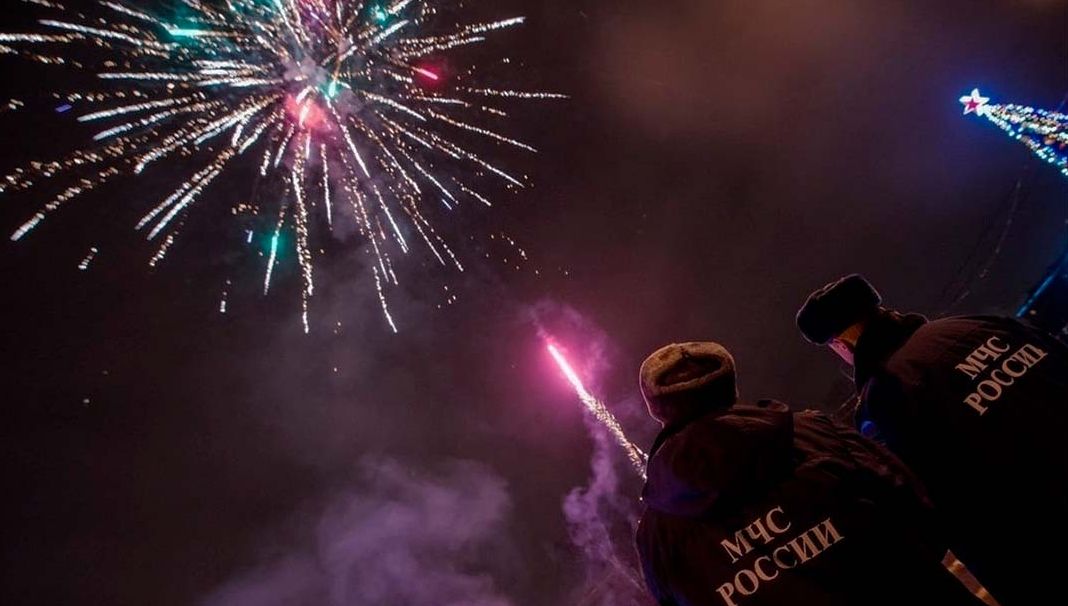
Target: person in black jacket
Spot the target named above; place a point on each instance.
(758, 506)
(976, 406)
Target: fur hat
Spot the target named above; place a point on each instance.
(829, 311)
(683, 380)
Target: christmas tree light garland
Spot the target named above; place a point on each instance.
(1044, 132)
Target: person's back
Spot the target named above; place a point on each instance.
(761, 506)
(755, 505)
(977, 407)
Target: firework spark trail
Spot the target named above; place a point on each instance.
(336, 101)
(88, 258)
(636, 456)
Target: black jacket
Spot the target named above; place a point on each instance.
(759, 506)
(976, 406)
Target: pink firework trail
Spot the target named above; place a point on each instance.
(600, 412)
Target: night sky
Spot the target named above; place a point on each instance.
(717, 160)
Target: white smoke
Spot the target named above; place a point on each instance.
(601, 521)
(602, 515)
(403, 539)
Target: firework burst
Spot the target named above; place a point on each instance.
(339, 106)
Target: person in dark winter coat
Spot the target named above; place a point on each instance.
(976, 406)
(758, 506)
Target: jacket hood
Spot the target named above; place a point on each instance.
(725, 454)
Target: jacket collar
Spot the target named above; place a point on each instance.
(670, 430)
(884, 335)
(674, 428)
(727, 453)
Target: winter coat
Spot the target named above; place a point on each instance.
(758, 506)
(976, 406)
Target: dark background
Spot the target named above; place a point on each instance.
(716, 162)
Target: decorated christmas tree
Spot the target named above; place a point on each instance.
(1044, 132)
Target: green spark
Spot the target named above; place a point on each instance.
(183, 32)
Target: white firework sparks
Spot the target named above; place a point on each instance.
(341, 106)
